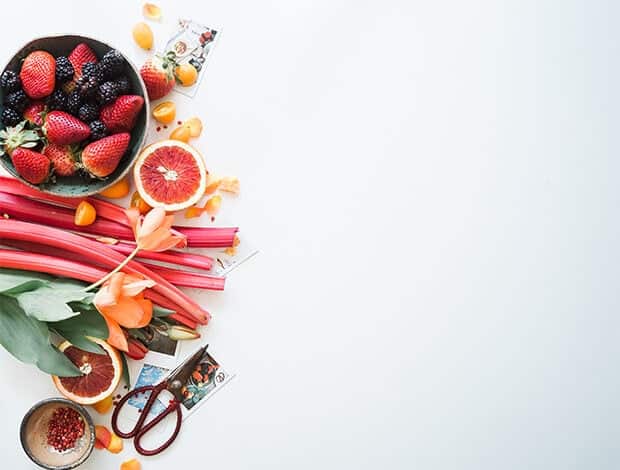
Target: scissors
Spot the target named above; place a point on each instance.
(173, 383)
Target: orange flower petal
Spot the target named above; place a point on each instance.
(116, 337)
(126, 312)
(116, 285)
(132, 289)
(153, 220)
(133, 216)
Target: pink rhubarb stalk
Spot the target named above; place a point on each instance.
(75, 270)
(98, 253)
(187, 278)
(190, 260)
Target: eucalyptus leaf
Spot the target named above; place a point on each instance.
(78, 328)
(126, 377)
(50, 302)
(27, 339)
(159, 312)
(13, 281)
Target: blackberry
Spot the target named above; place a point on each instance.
(97, 130)
(74, 101)
(57, 100)
(112, 64)
(10, 117)
(87, 86)
(17, 100)
(64, 69)
(92, 70)
(10, 81)
(88, 112)
(107, 93)
(123, 86)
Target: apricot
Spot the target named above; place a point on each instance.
(132, 464)
(116, 444)
(103, 406)
(103, 437)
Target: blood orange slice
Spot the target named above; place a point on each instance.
(102, 373)
(170, 174)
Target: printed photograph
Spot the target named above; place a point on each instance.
(159, 343)
(149, 375)
(204, 379)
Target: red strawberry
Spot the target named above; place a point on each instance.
(33, 113)
(121, 115)
(158, 76)
(38, 74)
(33, 166)
(79, 56)
(62, 159)
(61, 128)
(100, 158)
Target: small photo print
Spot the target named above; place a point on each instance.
(160, 343)
(149, 375)
(192, 44)
(205, 379)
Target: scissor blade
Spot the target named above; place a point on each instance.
(181, 374)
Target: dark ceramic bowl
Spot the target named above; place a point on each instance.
(33, 436)
(77, 185)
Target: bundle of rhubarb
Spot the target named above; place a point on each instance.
(116, 279)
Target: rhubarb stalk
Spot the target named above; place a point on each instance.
(92, 250)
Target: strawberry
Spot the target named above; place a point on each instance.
(34, 113)
(100, 158)
(79, 56)
(62, 159)
(33, 166)
(121, 115)
(38, 74)
(61, 128)
(17, 136)
(158, 75)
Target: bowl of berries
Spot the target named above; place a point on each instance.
(73, 115)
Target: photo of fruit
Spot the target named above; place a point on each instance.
(201, 382)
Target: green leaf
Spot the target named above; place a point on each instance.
(13, 281)
(50, 302)
(126, 377)
(76, 329)
(27, 339)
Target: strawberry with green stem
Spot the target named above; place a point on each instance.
(158, 75)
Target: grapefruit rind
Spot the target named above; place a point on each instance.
(170, 207)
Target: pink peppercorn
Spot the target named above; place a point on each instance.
(64, 429)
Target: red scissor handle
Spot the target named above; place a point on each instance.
(173, 406)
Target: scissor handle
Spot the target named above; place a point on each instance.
(172, 406)
(155, 390)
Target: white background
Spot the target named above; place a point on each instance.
(433, 186)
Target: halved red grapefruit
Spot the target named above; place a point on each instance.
(102, 373)
(170, 174)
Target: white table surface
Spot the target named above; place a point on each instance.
(433, 186)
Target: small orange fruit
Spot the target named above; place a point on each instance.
(85, 214)
(132, 464)
(139, 203)
(165, 112)
(103, 406)
(116, 444)
(186, 73)
(143, 35)
(103, 436)
(195, 126)
(117, 190)
(213, 182)
(212, 206)
(182, 133)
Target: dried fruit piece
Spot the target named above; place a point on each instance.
(85, 214)
(213, 183)
(212, 206)
(105, 405)
(132, 464)
(195, 126)
(139, 203)
(165, 112)
(143, 35)
(186, 74)
(182, 133)
(103, 436)
(116, 444)
(230, 184)
(117, 190)
(232, 250)
(151, 11)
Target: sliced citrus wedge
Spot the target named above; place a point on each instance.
(170, 174)
(102, 373)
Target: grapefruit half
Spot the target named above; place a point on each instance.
(102, 373)
(170, 174)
